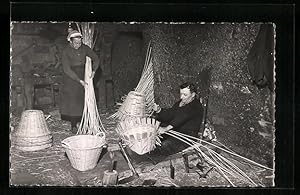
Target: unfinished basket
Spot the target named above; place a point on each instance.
(32, 124)
(133, 106)
(83, 151)
(140, 134)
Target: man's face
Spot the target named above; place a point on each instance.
(186, 95)
(76, 43)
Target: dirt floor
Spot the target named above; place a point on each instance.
(51, 167)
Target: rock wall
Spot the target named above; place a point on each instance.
(214, 57)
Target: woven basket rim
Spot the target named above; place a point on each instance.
(43, 135)
(136, 92)
(89, 148)
(34, 144)
(33, 148)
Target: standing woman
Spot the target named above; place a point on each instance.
(72, 89)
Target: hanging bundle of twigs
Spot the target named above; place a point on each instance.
(90, 122)
(139, 134)
(225, 167)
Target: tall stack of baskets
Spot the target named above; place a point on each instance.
(137, 130)
(32, 132)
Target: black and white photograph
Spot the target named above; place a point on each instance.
(152, 104)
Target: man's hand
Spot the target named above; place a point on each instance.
(162, 130)
(83, 83)
(156, 108)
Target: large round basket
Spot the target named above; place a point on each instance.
(139, 134)
(32, 124)
(133, 106)
(84, 151)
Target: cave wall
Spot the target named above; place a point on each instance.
(214, 57)
(42, 43)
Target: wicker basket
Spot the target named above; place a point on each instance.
(32, 124)
(139, 134)
(133, 106)
(32, 132)
(83, 151)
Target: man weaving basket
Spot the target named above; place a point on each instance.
(184, 116)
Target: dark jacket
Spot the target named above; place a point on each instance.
(186, 119)
(260, 59)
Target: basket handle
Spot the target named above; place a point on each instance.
(100, 134)
(64, 144)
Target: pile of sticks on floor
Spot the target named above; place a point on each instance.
(222, 164)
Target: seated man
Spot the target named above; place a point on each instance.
(184, 116)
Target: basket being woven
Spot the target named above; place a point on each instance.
(84, 151)
(140, 134)
(133, 106)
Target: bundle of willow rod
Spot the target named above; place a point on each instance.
(223, 165)
(90, 121)
(146, 82)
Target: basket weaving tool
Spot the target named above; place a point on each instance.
(110, 177)
(135, 174)
(172, 170)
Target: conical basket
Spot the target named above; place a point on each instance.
(133, 106)
(140, 134)
(32, 124)
(84, 151)
(32, 132)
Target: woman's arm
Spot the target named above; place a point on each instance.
(94, 57)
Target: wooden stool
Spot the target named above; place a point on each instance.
(44, 86)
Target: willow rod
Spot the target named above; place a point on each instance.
(205, 156)
(224, 150)
(227, 161)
